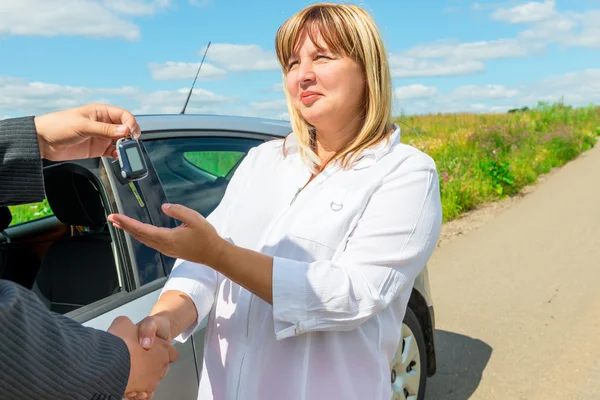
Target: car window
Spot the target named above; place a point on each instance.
(29, 212)
(195, 171)
(216, 163)
(79, 264)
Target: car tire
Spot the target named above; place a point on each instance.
(409, 376)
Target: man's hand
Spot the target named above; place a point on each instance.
(84, 132)
(148, 366)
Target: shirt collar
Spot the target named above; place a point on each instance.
(291, 144)
(371, 155)
(367, 157)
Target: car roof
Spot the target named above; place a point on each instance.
(169, 122)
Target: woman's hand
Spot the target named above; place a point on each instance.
(195, 240)
(152, 327)
(149, 329)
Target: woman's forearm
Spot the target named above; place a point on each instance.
(249, 269)
(178, 308)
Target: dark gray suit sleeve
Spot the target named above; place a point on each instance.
(44, 355)
(21, 179)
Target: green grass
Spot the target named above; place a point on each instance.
(29, 212)
(480, 157)
(484, 158)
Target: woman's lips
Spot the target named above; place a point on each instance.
(309, 97)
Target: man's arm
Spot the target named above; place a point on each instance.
(21, 179)
(44, 355)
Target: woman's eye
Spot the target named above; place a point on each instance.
(291, 64)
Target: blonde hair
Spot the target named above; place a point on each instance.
(350, 31)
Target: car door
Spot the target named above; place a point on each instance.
(94, 274)
(194, 169)
(145, 269)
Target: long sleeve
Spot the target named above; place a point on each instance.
(44, 355)
(390, 245)
(197, 280)
(21, 179)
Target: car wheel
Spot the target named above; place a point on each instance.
(409, 366)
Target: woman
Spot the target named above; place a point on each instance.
(306, 267)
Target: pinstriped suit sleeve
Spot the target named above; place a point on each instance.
(44, 355)
(21, 179)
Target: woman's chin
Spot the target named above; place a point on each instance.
(313, 116)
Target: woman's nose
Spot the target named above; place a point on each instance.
(306, 73)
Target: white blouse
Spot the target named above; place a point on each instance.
(346, 250)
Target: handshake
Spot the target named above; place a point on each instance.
(151, 351)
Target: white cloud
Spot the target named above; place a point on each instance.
(19, 97)
(551, 29)
(171, 102)
(70, 17)
(454, 58)
(273, 109)
(126, 91)
(474, 92)
(450, 58)
(548, 25)
(481, 50)
(526, 13)
(578, 88)
(225, 57)
(416, 91)
(481, 107)
(137, 7)
(277, 105)
(259, 113)
(172, 71)
(242, 57)
(590, 40)
(588, 34)
(408, 67)
(198, 95)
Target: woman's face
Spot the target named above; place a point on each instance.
(326, 88)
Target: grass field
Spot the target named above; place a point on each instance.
(483, 158)
(480, 157)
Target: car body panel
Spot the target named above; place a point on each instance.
(182, 378)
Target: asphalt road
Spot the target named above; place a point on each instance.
(518, 300)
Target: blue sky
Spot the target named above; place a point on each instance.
(446, 56)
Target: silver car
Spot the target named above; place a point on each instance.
(82, 267)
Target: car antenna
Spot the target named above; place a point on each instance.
(192, 88)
